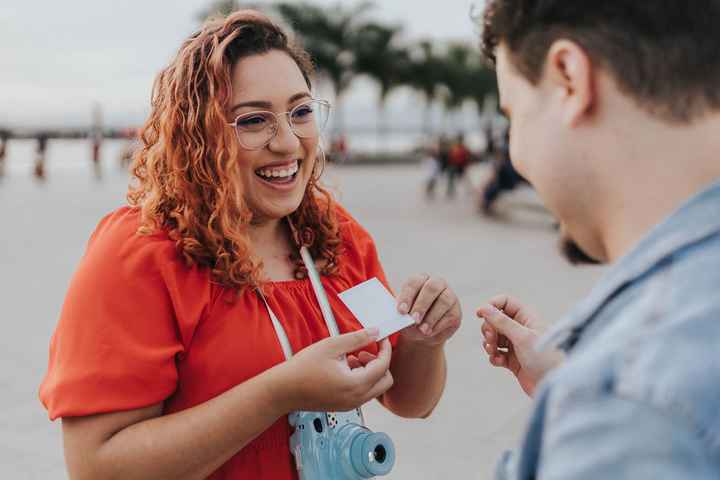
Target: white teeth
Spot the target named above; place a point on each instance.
(279, 173)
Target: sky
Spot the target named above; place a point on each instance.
(57, 59)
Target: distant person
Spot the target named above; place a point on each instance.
(614, 109)
(40, 157)
(131, 145)
(504, 177)
(339, 150)
(167, 360)
(97, 140)
(440, 155)
(459, 158)
(4, 137)
(489, 141)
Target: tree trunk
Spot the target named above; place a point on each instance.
(427, 118)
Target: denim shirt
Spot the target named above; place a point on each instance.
(638, 395)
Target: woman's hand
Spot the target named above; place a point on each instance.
(434, 307)
(510, 332)
(321, 377)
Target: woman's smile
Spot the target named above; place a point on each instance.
(279, 175)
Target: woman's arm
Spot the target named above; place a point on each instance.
(419, 372)
(418, 364)
(191, 444)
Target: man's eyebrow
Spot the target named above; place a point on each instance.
(267, 105)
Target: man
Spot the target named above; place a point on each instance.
(40, 156)
(615, 120)
(504, 176)
(4, 136)
(459, 158)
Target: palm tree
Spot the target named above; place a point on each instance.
(329, 35)
(466, 77)
(425, 75)
(344, 43)
(482, 83)
(378, 55)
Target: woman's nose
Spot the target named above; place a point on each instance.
(285, 140)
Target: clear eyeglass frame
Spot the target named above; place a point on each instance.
(255, 130)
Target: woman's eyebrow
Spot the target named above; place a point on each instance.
(255, 103)
(298, 96)
(268, 105)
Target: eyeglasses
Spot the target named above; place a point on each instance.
(257, 129)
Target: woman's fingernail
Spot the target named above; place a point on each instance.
(403, 308)
(373, 332)
(424, 328)
(416, 317)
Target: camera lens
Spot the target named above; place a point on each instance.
(380, 454)
(361, 452)
(372, 454)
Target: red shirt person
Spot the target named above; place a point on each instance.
(165, 363)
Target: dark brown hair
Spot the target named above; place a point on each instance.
(663, 53)
(186, 169)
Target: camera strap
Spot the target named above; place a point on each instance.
(321, 297)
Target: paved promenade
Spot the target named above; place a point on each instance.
(45, 227)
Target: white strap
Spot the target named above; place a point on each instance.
(319, 295)
(279, 330)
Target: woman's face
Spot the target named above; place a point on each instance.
(275, 176)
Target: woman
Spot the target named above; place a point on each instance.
(165, 363)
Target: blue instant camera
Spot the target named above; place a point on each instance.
(338, 446)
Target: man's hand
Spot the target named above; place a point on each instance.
(510, 332)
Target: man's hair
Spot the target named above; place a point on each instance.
(665, 54)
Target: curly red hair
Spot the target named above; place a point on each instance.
(184, 173)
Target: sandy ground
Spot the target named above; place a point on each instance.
(45, 227)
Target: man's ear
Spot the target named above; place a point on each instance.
(569, 71)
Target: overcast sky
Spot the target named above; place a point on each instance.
(57, 58)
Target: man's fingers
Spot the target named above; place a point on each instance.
(511, 306)
(410, 291)
(504, 325)
(498, 361)
(489, 332)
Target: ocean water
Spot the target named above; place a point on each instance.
(75, 155)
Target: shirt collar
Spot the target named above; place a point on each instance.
(697, 219)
